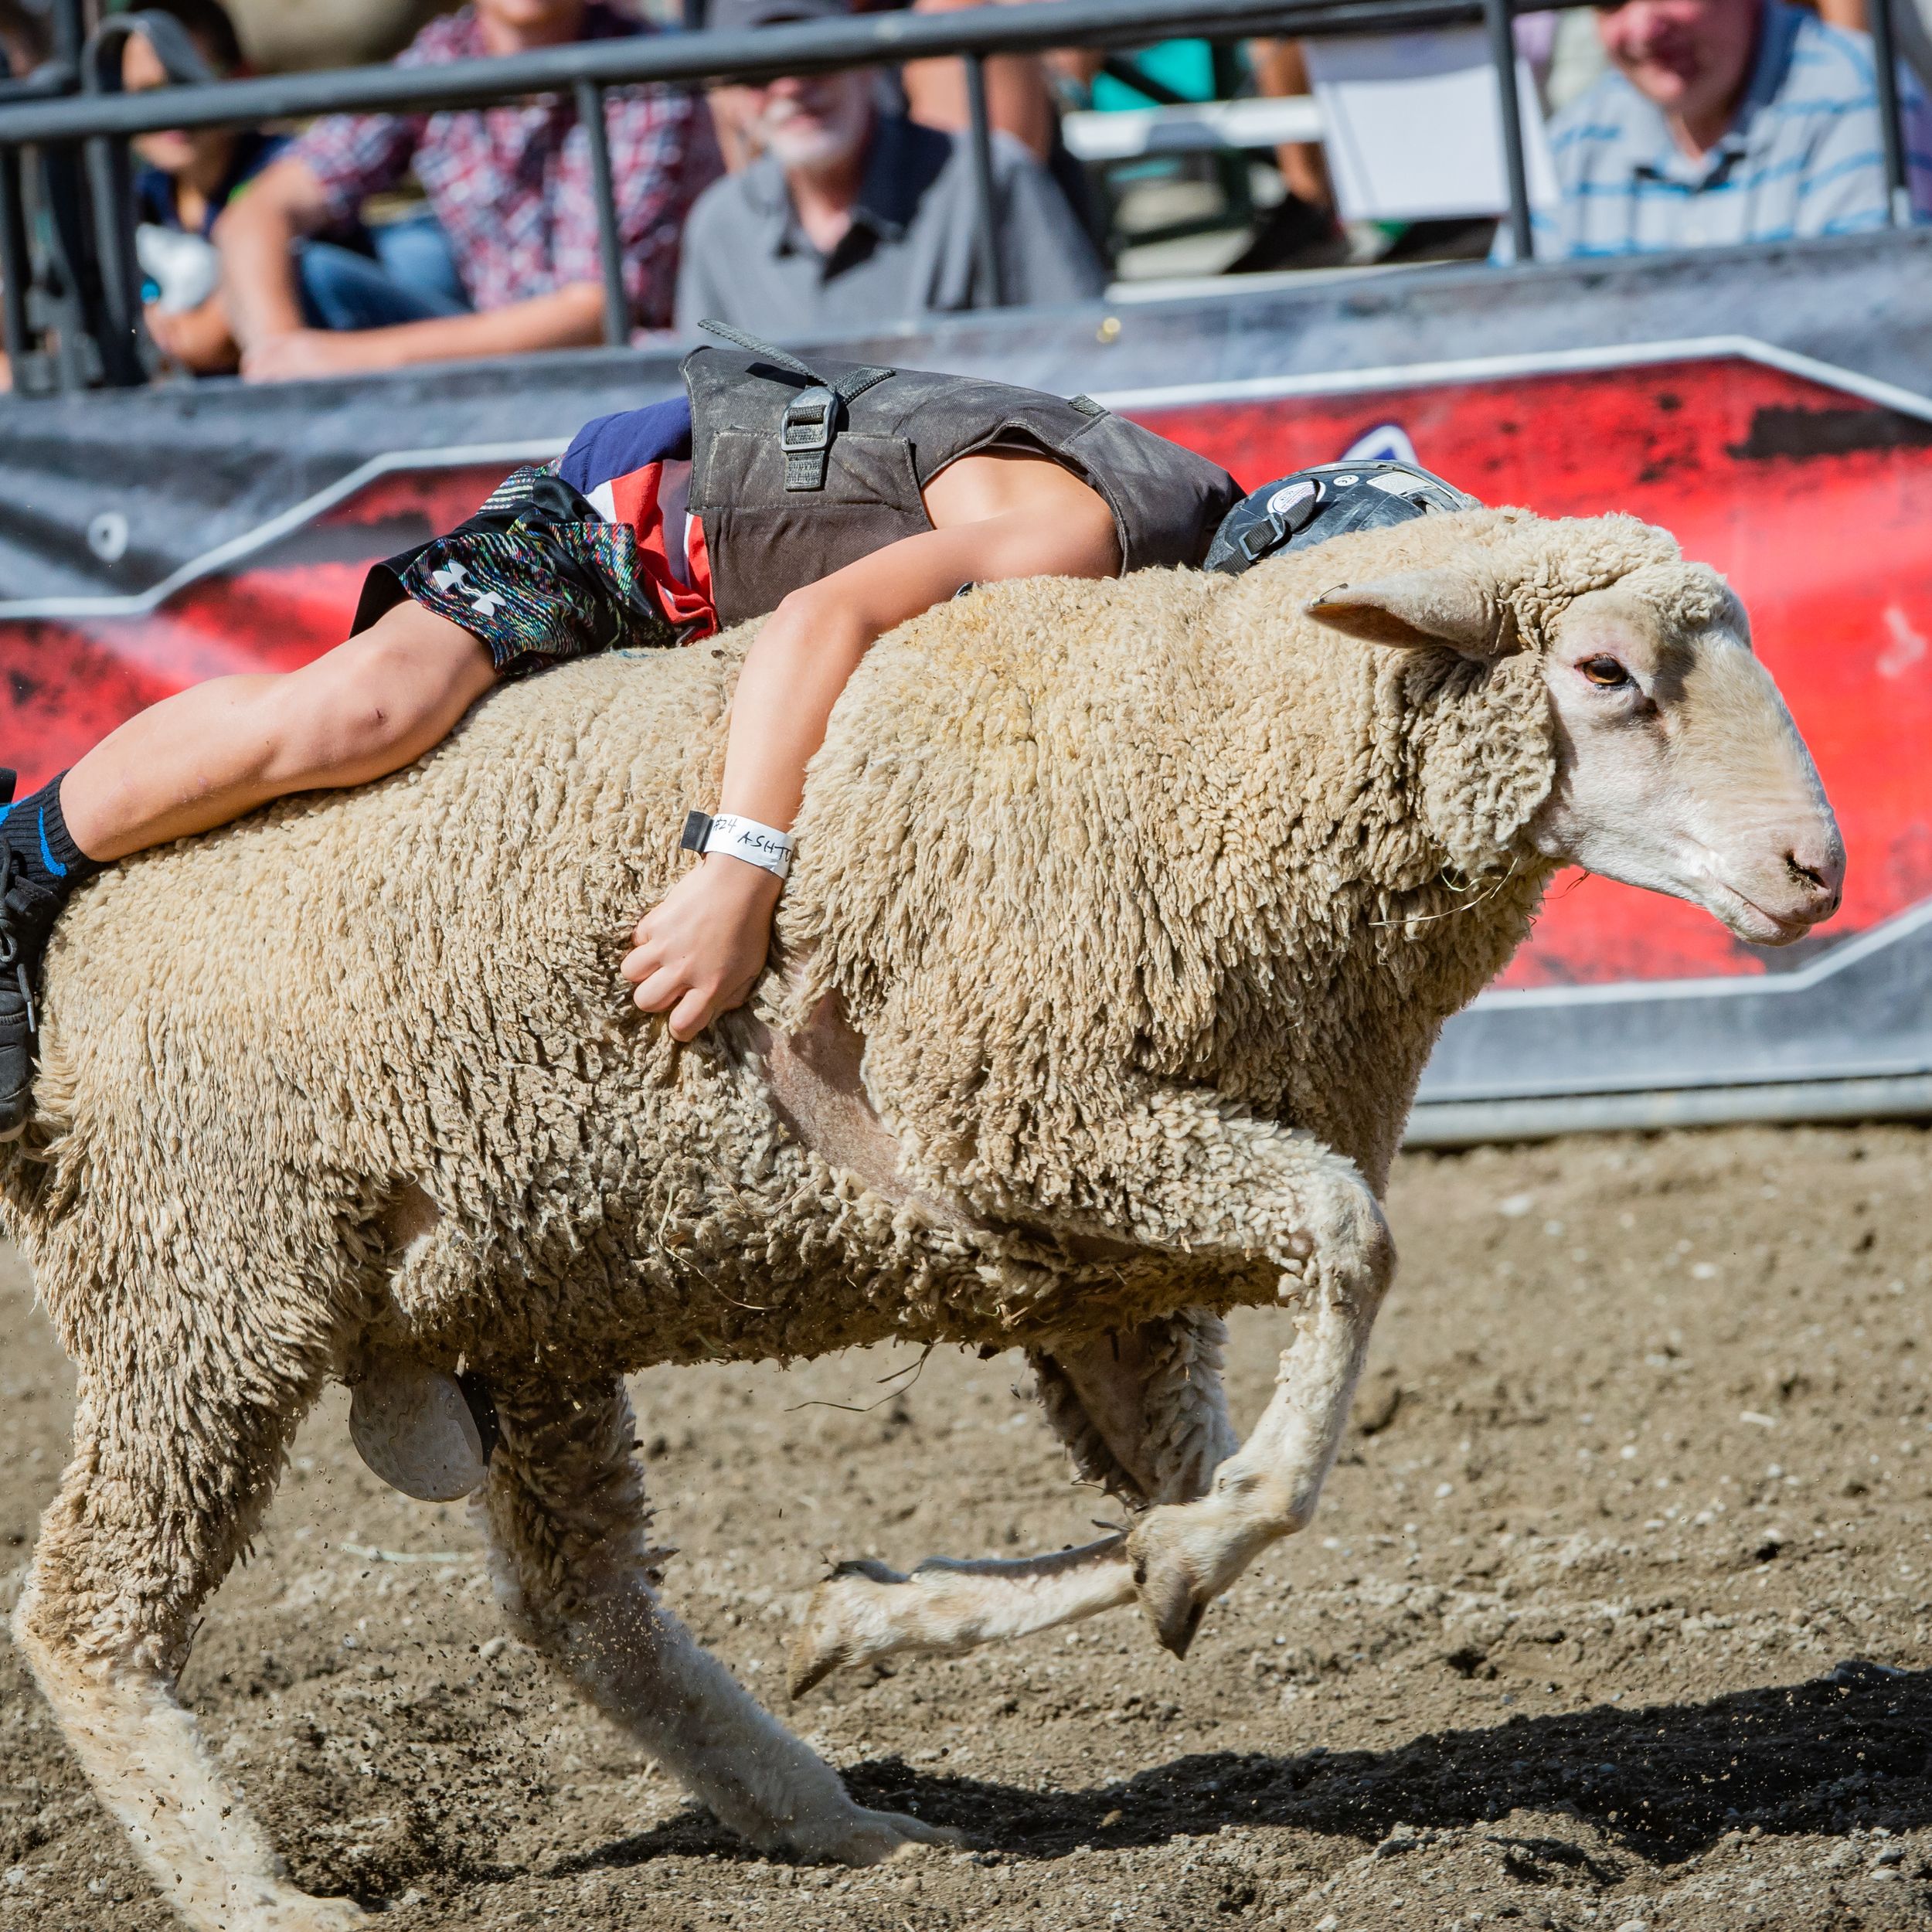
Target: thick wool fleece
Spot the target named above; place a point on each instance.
(1083, 838)
(1085, 862)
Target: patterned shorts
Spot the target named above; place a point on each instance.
(536, 573)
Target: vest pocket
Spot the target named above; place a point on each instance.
(765, 540)
(877, 469)
(744, 467)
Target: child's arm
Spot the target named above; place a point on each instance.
(699, 951)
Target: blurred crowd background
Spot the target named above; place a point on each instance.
(841, 204)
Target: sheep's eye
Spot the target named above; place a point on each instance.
(1606, 672)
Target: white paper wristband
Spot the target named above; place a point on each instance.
(764, 846)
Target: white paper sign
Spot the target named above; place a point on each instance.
(1415, 126)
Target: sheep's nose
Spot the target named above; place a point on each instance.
(1817, 868)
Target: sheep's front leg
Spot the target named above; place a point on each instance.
(566, 1512)
(1143, 1416)
(1192, 1176)
(1254, 1191)
(1185, 1555)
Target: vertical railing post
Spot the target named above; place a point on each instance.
(985, 210)
(1898, 196)
(111, 204)
(69, 23)
(15, 270)
(67, 20)
(1502, 51)
(596, 135)
(109, 201)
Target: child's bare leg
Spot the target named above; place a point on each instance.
(214, 751)
(204, 757)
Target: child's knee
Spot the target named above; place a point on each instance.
(367, 701)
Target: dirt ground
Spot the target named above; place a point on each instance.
(1618, 1613)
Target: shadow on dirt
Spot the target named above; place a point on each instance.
(1847, 1748)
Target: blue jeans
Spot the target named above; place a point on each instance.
(411, 278)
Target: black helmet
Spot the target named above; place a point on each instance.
(1297, 512)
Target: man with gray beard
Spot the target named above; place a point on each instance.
(852, 216)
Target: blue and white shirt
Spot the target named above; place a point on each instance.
(1805, 156)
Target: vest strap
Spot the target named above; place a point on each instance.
(815, 416)
(745, 339)
(812, 418)
(805, 431)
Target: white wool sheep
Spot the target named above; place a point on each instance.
(1125, 916)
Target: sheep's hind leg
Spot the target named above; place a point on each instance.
(569, 1528)
(161, 1494)
(1143, 1416)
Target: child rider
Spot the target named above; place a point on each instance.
(842, 501)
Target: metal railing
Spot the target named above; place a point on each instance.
(45, 111)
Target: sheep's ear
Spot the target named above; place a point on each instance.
(1419, 609)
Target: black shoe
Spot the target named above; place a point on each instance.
(27, 918)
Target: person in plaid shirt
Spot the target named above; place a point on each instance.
(508, 185)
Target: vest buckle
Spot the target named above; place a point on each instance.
(806, 433)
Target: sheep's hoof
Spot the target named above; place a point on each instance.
(870, 1837)
(1174, 1598)
(844, 1624)
(292, 1911)
(415, 1429)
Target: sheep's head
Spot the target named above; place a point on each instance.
(1678, 767)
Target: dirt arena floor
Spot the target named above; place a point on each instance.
(1618, 1614)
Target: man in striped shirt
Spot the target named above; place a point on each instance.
(1722, 121)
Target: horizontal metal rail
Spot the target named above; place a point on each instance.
(804, 47)
(587, 70)
(49, 81)
(1451, 1124)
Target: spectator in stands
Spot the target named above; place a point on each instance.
(1911, 22)
(854, 216)
(509, 186)
(1019, 94)
(186, 182)
(22, 48)
(1019, 91)
(23, 40)
(1721, 121)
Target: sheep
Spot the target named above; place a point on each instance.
(1125, 916)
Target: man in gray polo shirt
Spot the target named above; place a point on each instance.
(853, 216)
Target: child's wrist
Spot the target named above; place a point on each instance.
(731, 834)
(754, 879)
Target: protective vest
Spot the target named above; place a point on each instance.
(799, 470)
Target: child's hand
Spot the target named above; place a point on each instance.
(697, 952)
